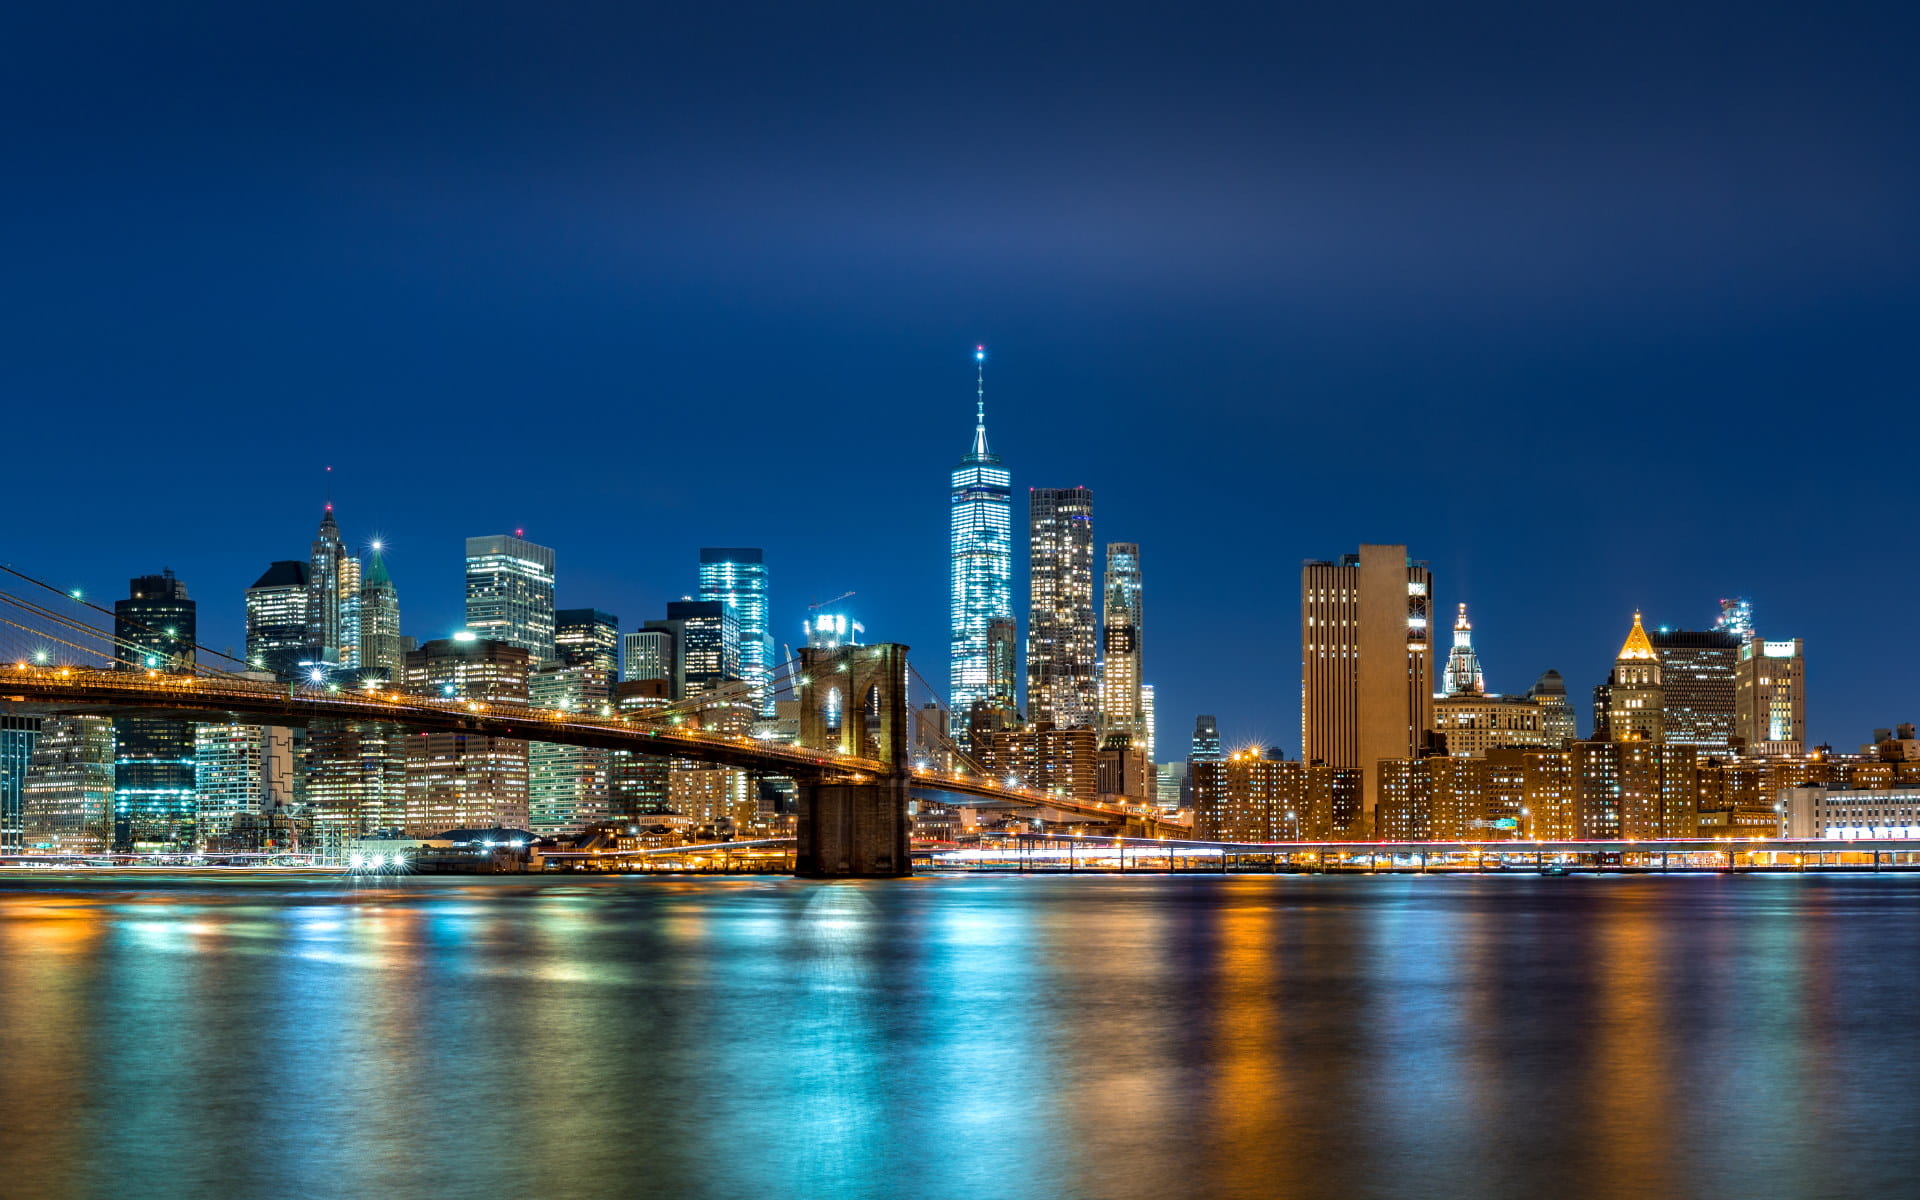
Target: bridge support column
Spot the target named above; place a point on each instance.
(853, 830)
(853, 700)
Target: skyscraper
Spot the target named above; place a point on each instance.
(587, 637)
(381, 646)
(1062, 633)
(982, 559)
(1770, 696)
(1366, 686)
(1120, 706)
(1736, 617)
(1148, 718)
(1697, 686)
(1635, 699)
(277, 609)
(706, 646)
(156, 629)
(510, 593)
(737, 577)
(326, 577)
(652, 653)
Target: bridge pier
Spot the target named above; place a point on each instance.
(853, 700)
(853, 830)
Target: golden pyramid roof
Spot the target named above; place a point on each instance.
(1637, 647)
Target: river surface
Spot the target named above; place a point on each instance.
(963, 1037)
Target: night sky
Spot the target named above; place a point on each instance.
(1594, 310)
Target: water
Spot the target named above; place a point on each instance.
(963, 1037)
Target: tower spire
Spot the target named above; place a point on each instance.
(1464, 677)
(980, 401)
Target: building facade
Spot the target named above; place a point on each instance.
(1121, 620)
(67, 798)
(1367, 671)
(459, 780)
(18, 736)
(1063, 672)
(278, 606)
(1697, 687)
(239, 772)
(1770, 697)
(569, 787)
(510, 593)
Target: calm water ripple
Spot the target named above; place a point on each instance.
(963, 1037)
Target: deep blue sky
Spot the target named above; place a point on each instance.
(1593, 310)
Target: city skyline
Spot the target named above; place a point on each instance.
(1212, 333)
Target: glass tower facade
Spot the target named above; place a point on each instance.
(17, 737)
(153, 780)
(982, 561)
(510, 593)
(736, 576)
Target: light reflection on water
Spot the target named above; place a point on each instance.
(1003, 1037)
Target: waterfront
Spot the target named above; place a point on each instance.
(976, 1037)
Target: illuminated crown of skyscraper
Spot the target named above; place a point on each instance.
(1637, 647)
(1464, 677)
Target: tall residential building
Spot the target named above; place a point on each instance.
(1464, 677)
(326, 579)
(1770, 696)
(277, 610)
(1063, 676)
(68, 796)
(982, 533)
(737, 577)
(1065, 761)
(17, 738)
(587, 637)
(1635, 699)
(459, 780)
(350, 596)
(381, 646)
(1148, 718)
(239, 771)
(510, 593)
(156, 628)
(1366, 687)
(569, 787)
(1120, 707)
(1697, 686)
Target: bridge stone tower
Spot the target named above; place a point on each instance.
(853, 700)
